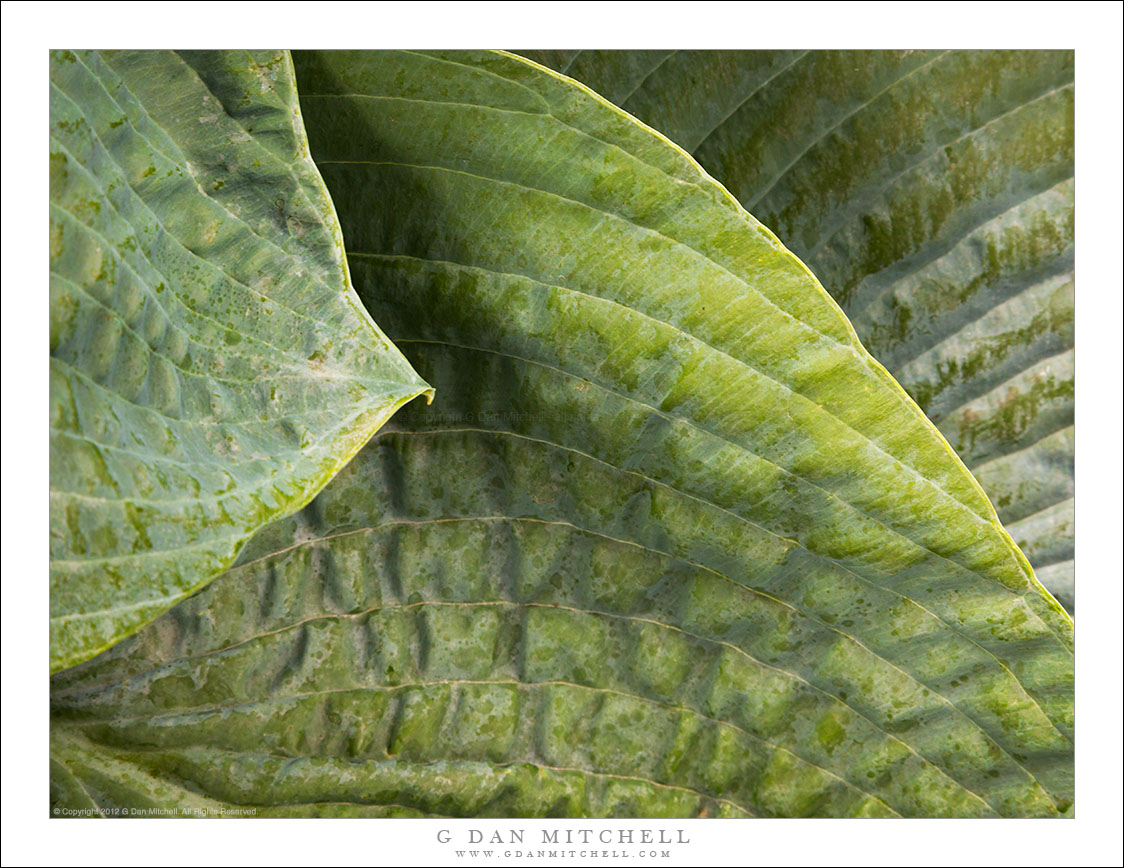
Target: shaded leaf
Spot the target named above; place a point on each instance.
(671, 543)
(211, 368)
(932, 194)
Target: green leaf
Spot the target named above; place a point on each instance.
(211, 368)
(932, 193)
(670, 544)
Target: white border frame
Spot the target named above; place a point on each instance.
(1092, 29)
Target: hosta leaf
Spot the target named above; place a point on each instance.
(671, 543)
(932, 194)
(211, 368)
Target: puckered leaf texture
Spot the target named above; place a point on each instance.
(932, 193)
(211, 367)
(670, 544)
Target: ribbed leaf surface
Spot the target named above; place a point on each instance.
(211, 367)
(932, 194)
(671, 543)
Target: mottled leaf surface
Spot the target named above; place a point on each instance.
(211, 367)
(671, 543)
(932, 194)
